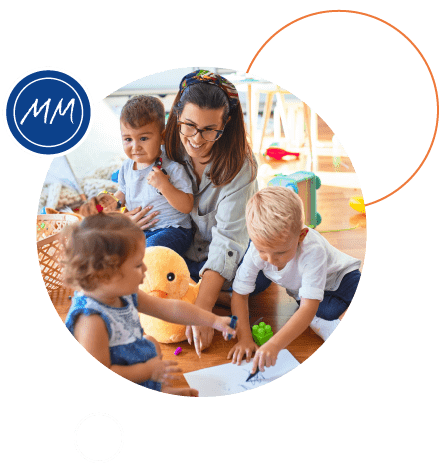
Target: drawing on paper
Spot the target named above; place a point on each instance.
(230, 378)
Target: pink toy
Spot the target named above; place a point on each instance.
(278, 153)
(178, 350)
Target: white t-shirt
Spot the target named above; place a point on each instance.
(316, 268)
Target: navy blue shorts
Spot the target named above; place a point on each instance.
(336, 302)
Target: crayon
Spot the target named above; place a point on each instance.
(253, 374)
(232, 325)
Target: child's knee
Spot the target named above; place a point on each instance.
(331, 308)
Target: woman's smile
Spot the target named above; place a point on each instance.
(194, 145)
(205, 119)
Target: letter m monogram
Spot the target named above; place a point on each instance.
(34, 108)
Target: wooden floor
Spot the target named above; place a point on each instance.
(274, 305)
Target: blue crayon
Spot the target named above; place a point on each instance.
(253, 374)
(232, 325)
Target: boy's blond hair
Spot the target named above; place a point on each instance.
(274, 213)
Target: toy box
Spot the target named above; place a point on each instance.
(305, 184)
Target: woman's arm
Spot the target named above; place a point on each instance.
(244, 284)
(229, 241)
(209, 290)
(239, 308)
(245, 345)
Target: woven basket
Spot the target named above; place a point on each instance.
(49, 247)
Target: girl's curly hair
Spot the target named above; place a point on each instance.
(95, 248)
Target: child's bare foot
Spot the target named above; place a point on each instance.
(181, 391)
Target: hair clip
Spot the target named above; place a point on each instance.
(99, 208)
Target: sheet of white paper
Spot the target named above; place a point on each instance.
(230, 379)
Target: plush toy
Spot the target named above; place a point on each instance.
(107, 200)
(167, 277)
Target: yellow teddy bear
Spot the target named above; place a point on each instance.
(167, 277)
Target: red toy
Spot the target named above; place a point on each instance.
(158, 163)
(277, 153)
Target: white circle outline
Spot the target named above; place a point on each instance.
(48, 78)
(6, 99)
(120, 445)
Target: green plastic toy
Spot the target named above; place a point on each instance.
(262, 333)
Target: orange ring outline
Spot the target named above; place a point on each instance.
(419, 52)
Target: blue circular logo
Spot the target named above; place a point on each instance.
(48, 112)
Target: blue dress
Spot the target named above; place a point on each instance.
(126, 340)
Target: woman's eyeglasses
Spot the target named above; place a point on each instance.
(189, 130)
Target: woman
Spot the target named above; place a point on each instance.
(206, 133)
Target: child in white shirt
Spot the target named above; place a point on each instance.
(298, 258)
(143, 183)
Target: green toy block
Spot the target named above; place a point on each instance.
(262, 333)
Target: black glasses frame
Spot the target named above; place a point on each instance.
(218, 135)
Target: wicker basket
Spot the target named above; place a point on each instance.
(49, 247)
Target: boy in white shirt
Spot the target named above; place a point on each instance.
(298, 258)
(143, 183)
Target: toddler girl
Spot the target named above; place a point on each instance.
(103, 260)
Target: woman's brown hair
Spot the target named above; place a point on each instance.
(231, 151)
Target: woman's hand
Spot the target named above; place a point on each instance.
(141, 218)
(163, 371)
(245, 347)
(201, 337)
(208, 293)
